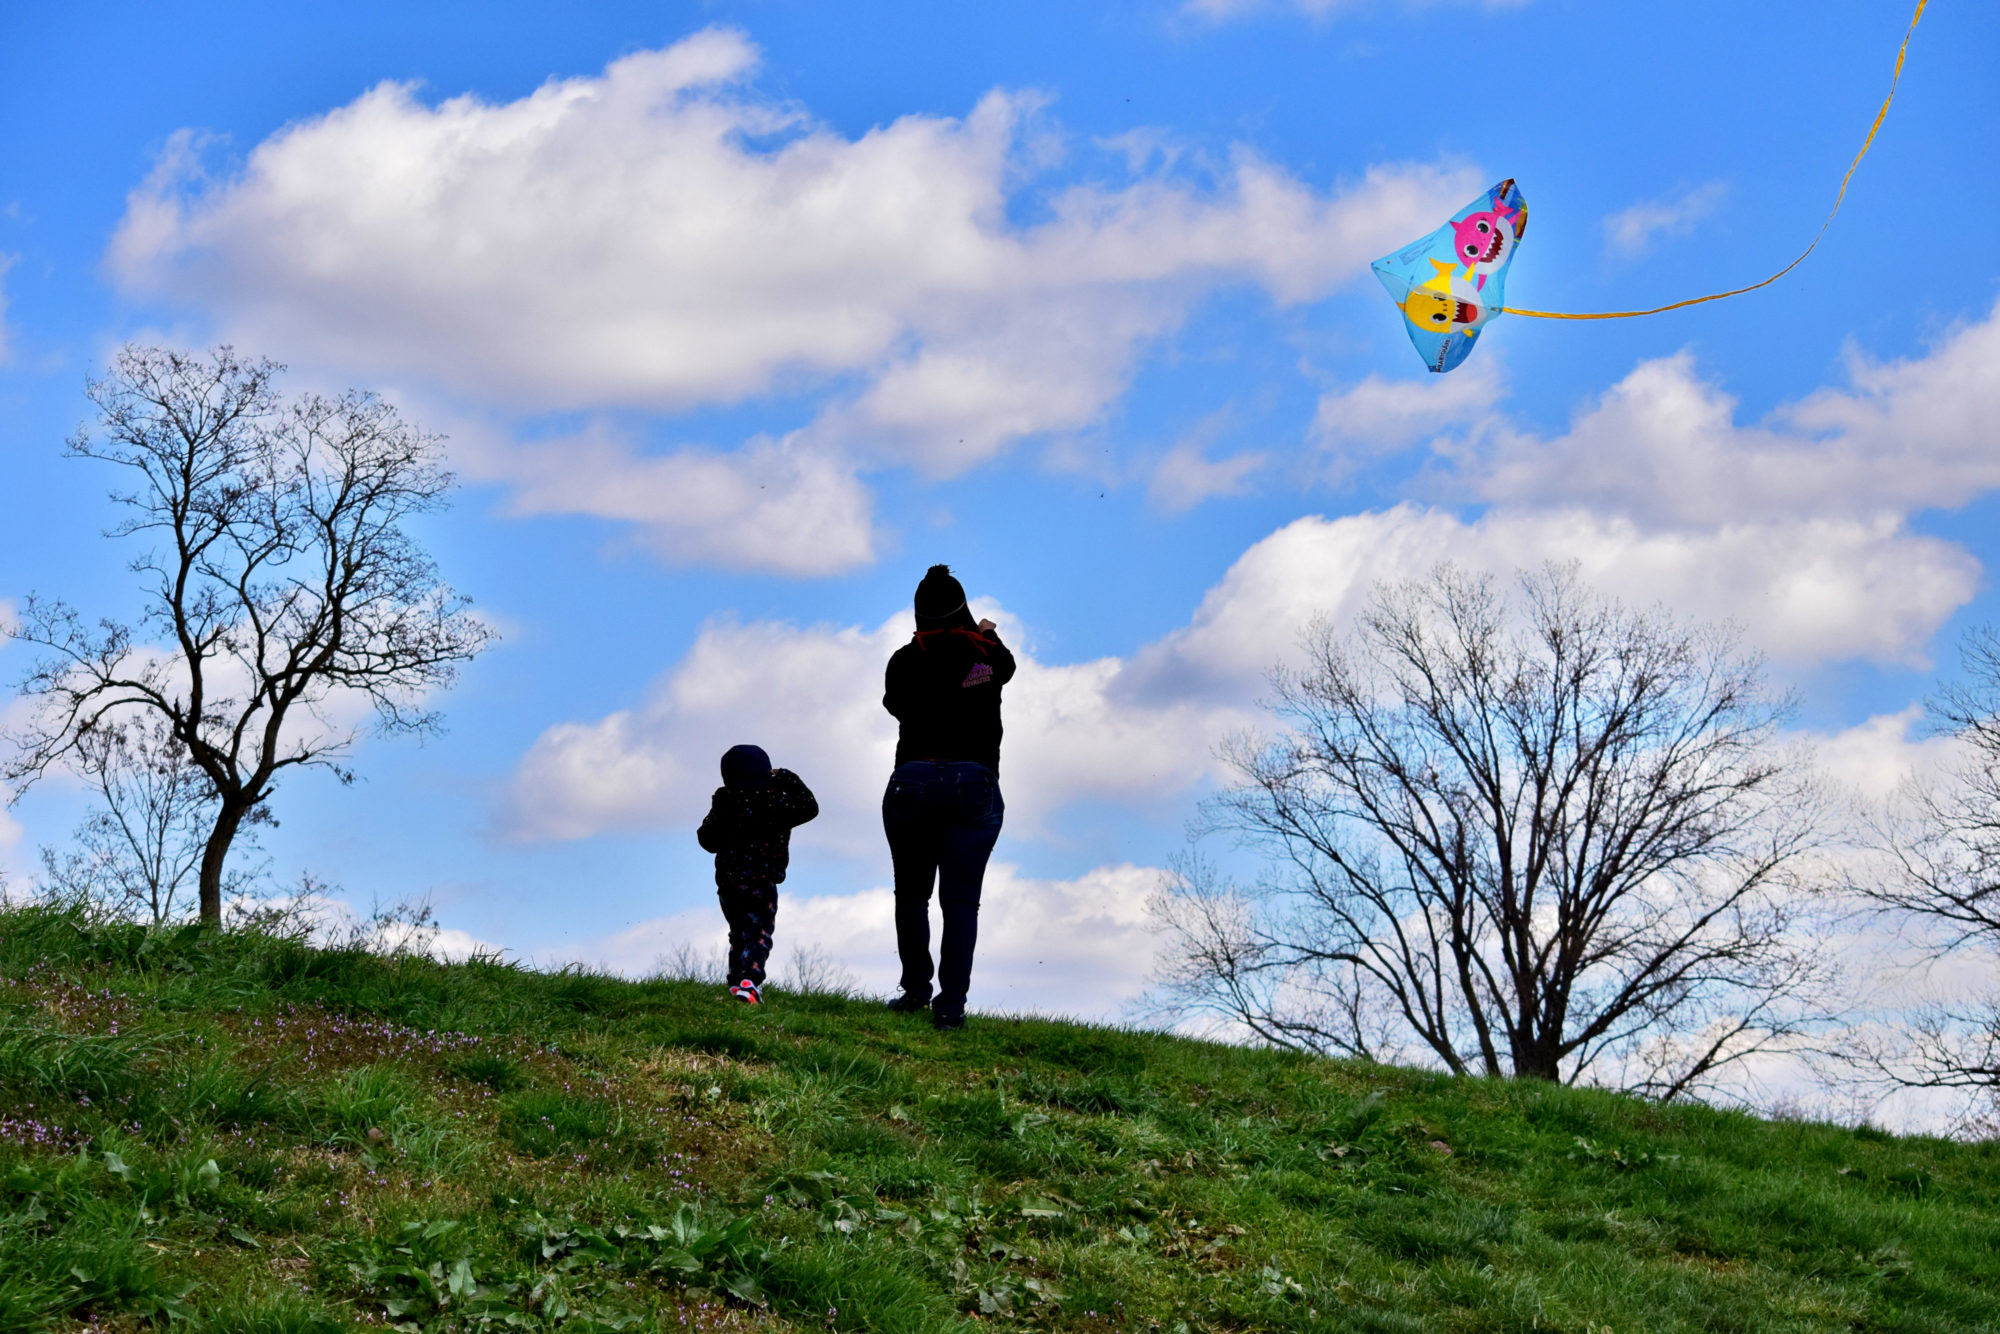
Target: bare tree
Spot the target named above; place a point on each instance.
(1541, 837)
(282, 586)
(139, 851)
(1941, 834)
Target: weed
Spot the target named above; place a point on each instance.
(542, 1124)
(444, 1274)
(282, 1313)
(498, 1073)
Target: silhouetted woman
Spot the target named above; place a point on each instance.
(943, 810)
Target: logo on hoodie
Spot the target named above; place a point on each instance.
(980, 674)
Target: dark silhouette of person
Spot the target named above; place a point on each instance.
(749, 829)
(942, 810)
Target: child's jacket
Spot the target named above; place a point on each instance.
(749, 829)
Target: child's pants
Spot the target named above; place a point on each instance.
(752, 911)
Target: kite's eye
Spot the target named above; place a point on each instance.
(1471, 249)
(1439, 317)
(1485, 226)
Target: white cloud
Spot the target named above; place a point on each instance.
(1632, 231)
(337, 922)
(1081, 947)
(1086, 731)
(10, 834)
(663, 236)
(1186, 476)
(772, 506)
(1873, 757)
(1006, 370)
(332, 719)
(1796, 527)
(1664, 446)
(1141, 730)
(1807, 591)
(456, 945)
(1378, 417)
(811, 696)
(14, 714)
(1796, 531)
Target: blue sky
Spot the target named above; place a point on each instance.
(740, 314)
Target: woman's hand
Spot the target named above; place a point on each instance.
(984, 626)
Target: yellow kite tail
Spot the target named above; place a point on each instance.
(1738, 291)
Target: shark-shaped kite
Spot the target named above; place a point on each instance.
(1451, 283)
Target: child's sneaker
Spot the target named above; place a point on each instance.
(748, 992)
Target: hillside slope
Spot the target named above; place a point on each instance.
(246, 1134)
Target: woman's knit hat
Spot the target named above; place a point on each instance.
(940, 600)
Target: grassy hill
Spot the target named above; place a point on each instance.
(242, 1133)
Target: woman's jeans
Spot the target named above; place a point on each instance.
(942, 821)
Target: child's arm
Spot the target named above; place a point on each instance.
(713, 831)
(800, 804)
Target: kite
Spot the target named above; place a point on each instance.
(1449, 284)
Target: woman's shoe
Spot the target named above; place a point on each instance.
(944, 1019)
(908, 1004)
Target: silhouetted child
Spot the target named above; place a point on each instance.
(749, 829)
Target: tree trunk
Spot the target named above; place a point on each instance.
(1536, 1058)
(227, 819)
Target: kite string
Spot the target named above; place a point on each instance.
(1738, 291)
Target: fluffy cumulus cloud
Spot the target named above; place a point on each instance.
(1805, 592)
(13, 713)
(1664, 446)
(1378, 417)
(1075, 731)
(815, 692)
(1797, 526)
(1081, 947)
(664, 236)
(1140, 730)
(1874, 757)
(10, 839)
(1186, 476)
(1796, 530)
(1632, 231)
(772, 505)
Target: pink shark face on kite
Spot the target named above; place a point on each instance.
(1481, 239)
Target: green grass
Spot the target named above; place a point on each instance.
(243, 1134)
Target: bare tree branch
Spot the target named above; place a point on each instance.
(282, 584)
(1940, 834)
(1545, 836)
(140, 849)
